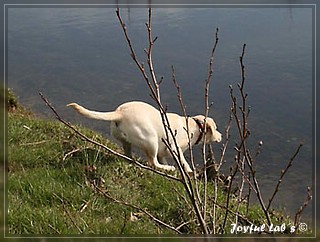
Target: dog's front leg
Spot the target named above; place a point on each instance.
(184, 163)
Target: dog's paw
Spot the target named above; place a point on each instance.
(169, 168)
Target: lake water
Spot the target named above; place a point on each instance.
(80, 55)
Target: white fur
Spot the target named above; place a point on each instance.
(139, 124)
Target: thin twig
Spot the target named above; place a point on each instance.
(35, 143)
(243, 131)
(235, 213)
(54, 229)
(247, 178)
(297, 217)
(150, 62)
(250, 188)
(183, 107)
(106, 195)
(225, 145)
(125, 219)
(258, 192)
(68, 213)
(283, 172)
(243, 151)
(133, 54)
(233, 174)
(184, 223)
(207, 107)
(241, 167)
(71, 153)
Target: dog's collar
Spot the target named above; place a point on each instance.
(201, 129)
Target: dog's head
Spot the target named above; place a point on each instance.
(212, 134)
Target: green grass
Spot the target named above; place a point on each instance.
(50, 190)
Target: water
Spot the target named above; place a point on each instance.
(80, 55)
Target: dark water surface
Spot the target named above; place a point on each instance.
(80, 55)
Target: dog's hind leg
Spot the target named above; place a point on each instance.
(151, 150)
(162, 160)
(153, 161)
(127, 149)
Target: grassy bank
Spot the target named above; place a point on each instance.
(53, 178)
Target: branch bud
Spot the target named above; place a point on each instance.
(154, 40)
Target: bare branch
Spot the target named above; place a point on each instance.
(133, 54)
(233, 174)
(106, 195)
(207, 107)
(209, 79)
(150, 62)
(68, 213)
(297, 217)
(183, 107)
(283, 172)
(242, 150)
(184, 110)
(185, 223)
(54, 229)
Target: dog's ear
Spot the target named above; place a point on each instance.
(210, 126)
(212, 132)
(208, 129)
(215, 135)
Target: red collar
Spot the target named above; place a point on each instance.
(201, 129)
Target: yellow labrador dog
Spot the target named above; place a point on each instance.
(140, 124)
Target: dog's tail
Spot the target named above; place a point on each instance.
(107, 116)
